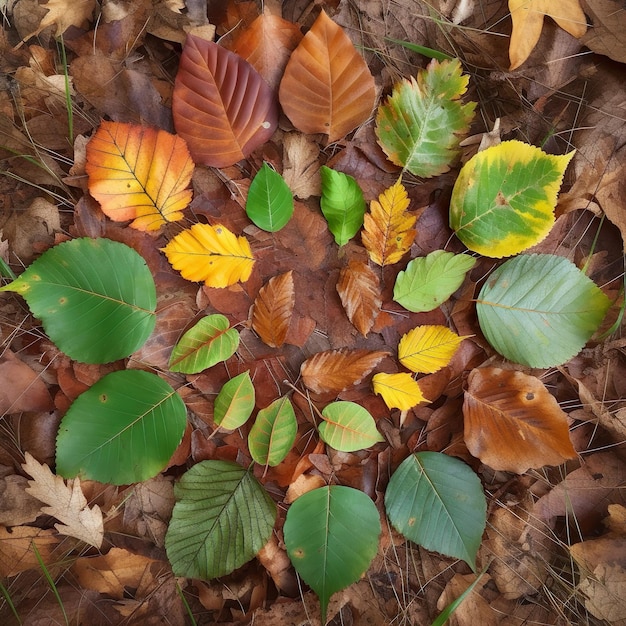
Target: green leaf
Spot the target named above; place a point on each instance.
(421, 124)
(270, 203)
(234, 403)
(504, 197)
(331, 535)
(342, 204)
(423, 50)
(95, 298)
(437, 501)
(122, 430)
(540, 309)
(429, 281)
(221, 519)
(273, 433)
(347, 427)
(209, 342)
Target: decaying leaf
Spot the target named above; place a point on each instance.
(399, 391)
(359, 289)
(426, 349)
(16, 548)
(272, 309)
(64, 13)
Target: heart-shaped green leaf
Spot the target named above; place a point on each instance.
(273, 433)
(270, 203)
(347, 427)
(234, 403)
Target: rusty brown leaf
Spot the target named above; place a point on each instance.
(359, 289)
(273, 308)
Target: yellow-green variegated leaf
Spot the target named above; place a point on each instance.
(504, 198)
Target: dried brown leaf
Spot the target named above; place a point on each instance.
(21, 389)
(359, 289)
(301, 166)
(273, 308)
(16, 548)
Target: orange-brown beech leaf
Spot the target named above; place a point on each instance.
(272, 309)
(327, 86)
(512, 422)
(336, 370)
(139, 173)
(267, 45)
(221, 105)
(359, 289)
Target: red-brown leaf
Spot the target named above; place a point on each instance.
(273, 308)
(512, 422)
(221, 105)
(359, 289)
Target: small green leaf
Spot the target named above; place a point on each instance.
(234, 403)
(221, 519)
(347, 427)
(504, 197)
(95, 298)
(209, 342)
(437, 501)
(270, 203)
(540, 309)
(342, 204)
(331, 535)
(429, 281)
(122, 430)
(273, 433)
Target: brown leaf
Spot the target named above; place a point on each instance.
(512, 422)
(359, 289)
(21, 389)
(327, 86)
(273, 308)
(301, 166)
(336, 370)
(16, 548)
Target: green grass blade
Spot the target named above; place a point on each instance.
(423, 50)
(7, 597)
(50, 581)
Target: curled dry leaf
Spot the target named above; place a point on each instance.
(273, 308)
(512, 422)
(359, 289)
(336, 370)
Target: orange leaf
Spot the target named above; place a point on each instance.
(336, 370)
(512, 422)
(139, 173)
(359, 289)
(221, 105)
(327, 86)
(388, 230)
(273, 308)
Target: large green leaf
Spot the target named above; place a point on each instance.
(540, 309)
(331, 535)
(209, 342)
(124, 429)
(234, 403)
(221, 519)
(347, 427)
(273, 433)
(504, 197)
(270, 203)
(95, 298)
(437, 501)
(421, 124)
(343, 204)
(429, 281)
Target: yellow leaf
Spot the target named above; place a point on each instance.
(426, 349)
(212, 254)
(388, 230)
(527, 17)
(399, 391)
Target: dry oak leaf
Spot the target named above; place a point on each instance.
(66, 502)
(327, 86)
(333, 371)
(527, 17)
(358, 287)
(139, 173)
(512, 422)
(273, 308)
(64, 13)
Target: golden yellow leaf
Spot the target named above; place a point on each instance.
(388, 230)
(399, 391)
(527, 17)
(211, 254)
(426, 349)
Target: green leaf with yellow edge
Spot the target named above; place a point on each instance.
(504, 198)
(426, 349)
(235, 402)
(209, 342)
(399, 391)
(273, 433)
(421, 124)
(211, 254)
(347, 427)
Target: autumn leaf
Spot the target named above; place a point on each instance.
(139, 173)
(66, 503)
(399, 391)
(426, 349)
(388, 230)
(358, 287)
(212, 254)
(64, 13)
(272, 310)
(336, 370)
(527, 17)
(512, 422)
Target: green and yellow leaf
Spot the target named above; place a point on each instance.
(426, 349)
(399, 391)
